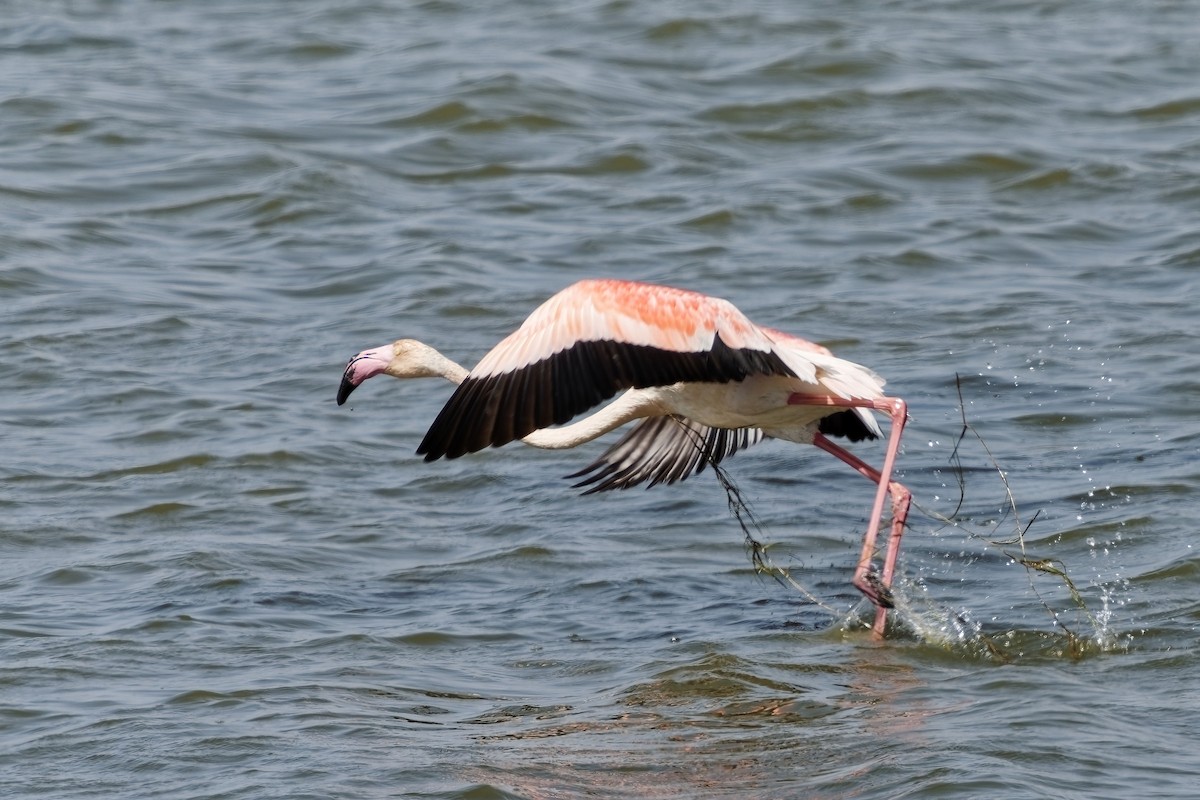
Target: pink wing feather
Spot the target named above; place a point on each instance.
(590, 341)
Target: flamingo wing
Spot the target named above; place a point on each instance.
(840, 377)
(663, 450)
(588, 342)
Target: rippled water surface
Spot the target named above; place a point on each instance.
(218, 584)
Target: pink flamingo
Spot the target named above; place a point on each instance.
(703, 379)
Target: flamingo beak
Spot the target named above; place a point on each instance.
(347, 385)
(366, 364)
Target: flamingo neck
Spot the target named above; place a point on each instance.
(451, 371)
(634, 404)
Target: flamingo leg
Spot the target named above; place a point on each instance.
(875, 587)
(901, 500)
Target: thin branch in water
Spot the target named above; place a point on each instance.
(1032, 565)
(758, 550)
(738, 507)
(954, 459)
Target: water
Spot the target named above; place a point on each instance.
(218, 584)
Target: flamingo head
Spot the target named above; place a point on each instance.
(404, 358)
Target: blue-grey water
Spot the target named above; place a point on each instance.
(215, 583)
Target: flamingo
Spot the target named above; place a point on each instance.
(657, 450)
(703, 380)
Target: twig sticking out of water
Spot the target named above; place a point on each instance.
(1032, 565)
(758, 550)
(741, 511)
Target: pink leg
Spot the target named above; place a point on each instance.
(874, 587)
(901, 499)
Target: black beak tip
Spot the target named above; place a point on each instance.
(344, 390)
